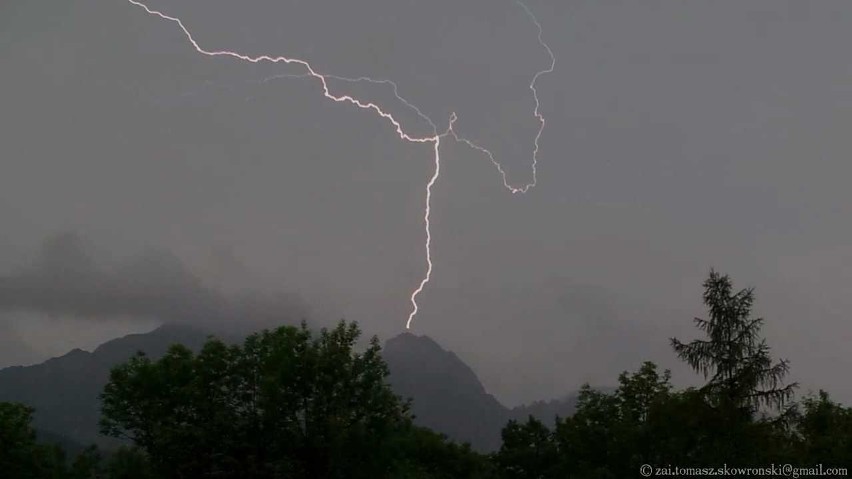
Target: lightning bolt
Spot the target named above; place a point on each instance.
(435, 138)
(537, 112)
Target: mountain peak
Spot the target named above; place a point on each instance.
(448, 397)
(413, 343)
(410, 354)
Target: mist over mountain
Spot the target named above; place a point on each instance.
(446, 393)
(66, 285)
(14, 349)
(64, 280)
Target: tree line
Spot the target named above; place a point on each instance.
(290, 403)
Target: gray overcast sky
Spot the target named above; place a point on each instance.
(680, 135)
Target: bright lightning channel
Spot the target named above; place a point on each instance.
(435, 137)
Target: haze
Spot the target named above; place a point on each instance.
(680, 136)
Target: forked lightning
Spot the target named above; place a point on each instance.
(435, 137)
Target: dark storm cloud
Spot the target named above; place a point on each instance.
(65, 281)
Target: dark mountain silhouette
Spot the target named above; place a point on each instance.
(447, 396)
(64, 280)
(64, 390)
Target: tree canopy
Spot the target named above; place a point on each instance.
(733, 356)
(282, 404)
(20, 454)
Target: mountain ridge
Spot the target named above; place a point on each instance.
(447, 395)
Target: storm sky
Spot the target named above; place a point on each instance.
(681, 135)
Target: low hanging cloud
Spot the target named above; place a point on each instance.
(66, 281)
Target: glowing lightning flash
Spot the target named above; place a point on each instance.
(435, 137)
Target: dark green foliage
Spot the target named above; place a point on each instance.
(528, 451)
(645, 422)
(23, 457)
(283, 404)
(725, 422)
(87, 464)
(20, 455)
(419, 453)
(611, 435)
(825, 431)
(17, 439)
(734, 357)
